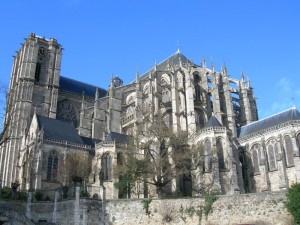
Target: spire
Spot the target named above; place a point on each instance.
(178, 51)
(169, 65)
(225, 69)
(294, 105)
(137, 76)
(179, 58)
(212, 66)
(96, 94)
(203, 62)
(242, 77)
(137, 80)
(111, 87)
(82, 101)
(155, 66)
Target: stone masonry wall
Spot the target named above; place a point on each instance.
(258, 209)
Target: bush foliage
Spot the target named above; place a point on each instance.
(293, 202)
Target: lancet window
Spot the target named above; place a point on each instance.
(255, 157)
(52, 166)
(272, 152)
(106, 164)
(289, 150)
(199, 119)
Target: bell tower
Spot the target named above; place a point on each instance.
(33, 85)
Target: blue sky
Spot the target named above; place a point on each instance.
(101, 38)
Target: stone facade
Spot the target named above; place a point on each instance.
(48, 115)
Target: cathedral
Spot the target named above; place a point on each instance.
(49, 115)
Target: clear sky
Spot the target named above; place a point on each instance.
(101, 38)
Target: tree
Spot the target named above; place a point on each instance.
(155, 156)
(293, 202)
(4, 136)
(75, 167)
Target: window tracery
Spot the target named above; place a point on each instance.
(199, 119)
(255, 157)
(52, 166)
(197, 80)
(66, 112)
(166, 95)
(106, 167)
(271, 157)
(168, 119)
(289, 150)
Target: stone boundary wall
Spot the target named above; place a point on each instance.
(84, 211)
(258, 209)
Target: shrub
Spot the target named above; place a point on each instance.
(6, 193)
(293, 202)
(84, 194)
(95, 195)
(22, 196)
(146, 204)
(209, 201)
(38, 196)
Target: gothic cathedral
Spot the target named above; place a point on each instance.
(49, 115)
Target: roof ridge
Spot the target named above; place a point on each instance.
(270, 116)
(161, 62)
(83, 82)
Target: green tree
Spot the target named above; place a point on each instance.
(293, 202)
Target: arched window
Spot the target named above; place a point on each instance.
(220, 154)
(106, 164)
(52, 166)
(37, 71)
(208, 157)
(129, 131)
(271, 157)
(255, 157)
(197, 80)
(179, 80)
(168, 119)
(120, 159)
(289, 150)
(199, 119)
(130, 98)
(66, 112)
(166, 95)
(130, 111)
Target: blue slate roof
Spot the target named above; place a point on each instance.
(59, 130)
(212, 122)
(89, 141)
(70, 85)
(114, 136)
(282, 117)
